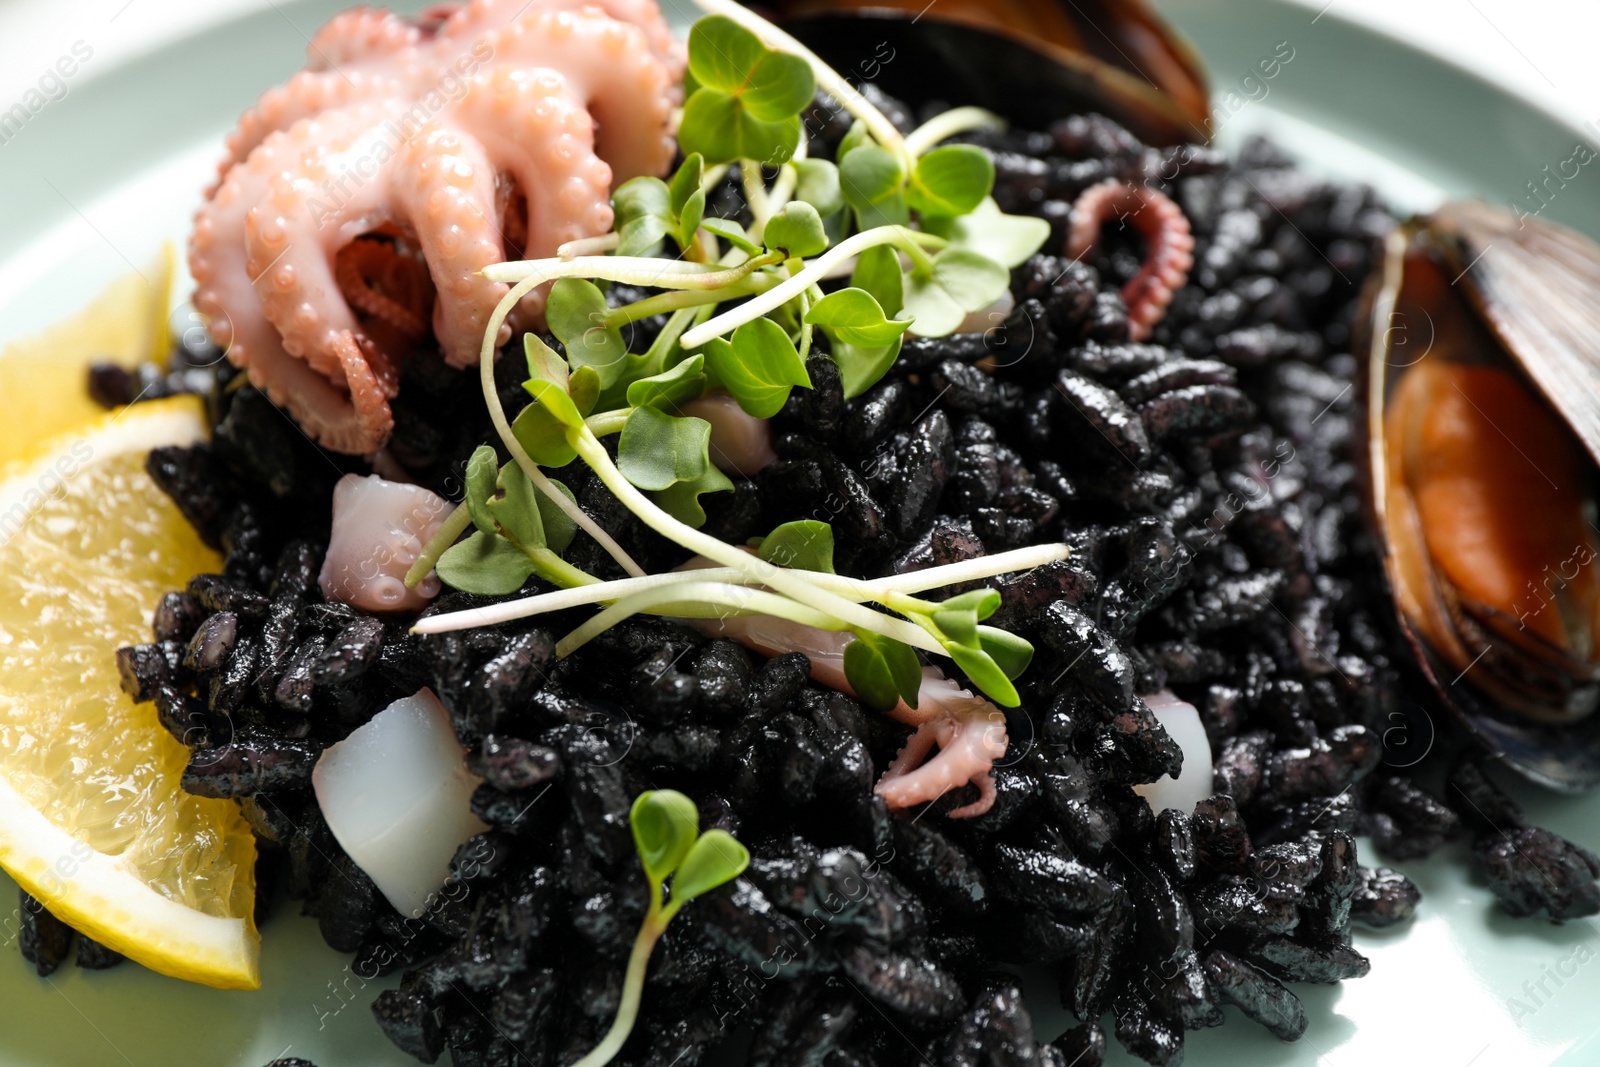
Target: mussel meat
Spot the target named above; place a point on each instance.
(1483, 418)
(1033, 61)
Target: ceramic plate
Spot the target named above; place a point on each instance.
(98, 180)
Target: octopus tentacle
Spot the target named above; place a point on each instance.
(306, 93)
(435, 135)
(535, 130)
(1166, 231)
(446, 190)
(970, 733)
(480, 15)
(361, 34)
(403, 298)
(612, 71)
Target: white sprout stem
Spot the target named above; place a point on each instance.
(948, 124)
(691, 599)
(713, 177)
(755, 194)
(795, 584)
(968, 570)
(632, 989)
(828, 80)
(589, 246)
(630, 270)
(788, 179)
(814, 272)
(497, 415)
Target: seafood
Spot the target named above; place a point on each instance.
(359, 202)
(970, 732)
(1030, 60)
(1166, 233)
(1483, 435)
(379, 528)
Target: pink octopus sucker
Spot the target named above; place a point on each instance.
(1167, 237)
(968, 731)
(360, 202)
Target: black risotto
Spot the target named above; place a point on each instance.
(1207, 486)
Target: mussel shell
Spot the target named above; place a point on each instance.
(1532, 286)
(1032, 61)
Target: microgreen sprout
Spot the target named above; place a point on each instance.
(908, 219)
(666, 832)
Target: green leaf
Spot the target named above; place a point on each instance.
(644, 215)
(759, 365)
(543, 437)
(819, 185)
(983, 601)
(670, 388)
(860, 368)
(690, 218)
(716, 858)
(951, 180)
(797, 230)
(584, 388)
(878, 272)
(733, 233)
(486, 565)
(578, 316)
(481, 471)
(664, 824)
(872, 180)
(961, 281)
(685, 183)
(1010, 653)
(882, 671)
(806, 545)
(553, 398)
(854, 138)
(772, 85)
(1007, 239)
(543, 363)
(559, 527)
(516, 509)
(682, 501)
(658, 451)
(985, 674)
(716, 125)
(959, 625)
(854, 317)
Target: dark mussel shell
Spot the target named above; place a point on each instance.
(1518, 295)
(1032, 61)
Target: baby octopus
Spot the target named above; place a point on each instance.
(359, 202)
(1167, 236)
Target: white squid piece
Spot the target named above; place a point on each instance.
(1193, 784)
(397, 796)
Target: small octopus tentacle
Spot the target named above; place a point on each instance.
(968, 747)
(405, 299)
(306, 93)
(612, 71)
(358, 35)
(1166, 231)
(295, 229)
(224, 273)
(480, 15)
(445, 188)
(532, 127)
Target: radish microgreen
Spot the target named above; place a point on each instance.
(666, 833)
(908, 218)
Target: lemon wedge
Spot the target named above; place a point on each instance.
(93, 821)
(125, 324)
